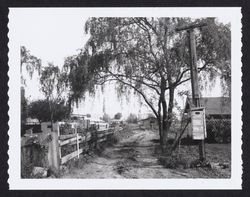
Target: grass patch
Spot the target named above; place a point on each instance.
(185, 158)
(173, 162)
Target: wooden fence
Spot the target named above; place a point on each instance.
(62, 143)
(70, 143)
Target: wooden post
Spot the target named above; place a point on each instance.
(77, 145)
(194, 76)
(53, 154)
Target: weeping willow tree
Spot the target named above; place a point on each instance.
(147, 56)
(31, 64)
(53, 87)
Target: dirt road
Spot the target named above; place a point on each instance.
(134, 157)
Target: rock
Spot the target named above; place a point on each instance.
(39, 172)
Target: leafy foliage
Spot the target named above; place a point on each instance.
(82, 72)
(106, 118)
(40, 109)
(30, 62)
(214, 52)
(132, 118)
(53, 85)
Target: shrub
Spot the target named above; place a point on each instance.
(219, 130)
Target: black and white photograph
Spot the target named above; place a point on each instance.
(125, 98)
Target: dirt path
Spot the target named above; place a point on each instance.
(133, 157)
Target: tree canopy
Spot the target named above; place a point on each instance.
(31, 63)
(132, 118)
(148, 56)
(40, 109)
(53, 86)
(118, 116)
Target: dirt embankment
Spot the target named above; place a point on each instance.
(134, 156)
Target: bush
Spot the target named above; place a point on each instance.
(219, 130)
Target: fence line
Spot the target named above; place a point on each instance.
(60, 140)
(65, 142)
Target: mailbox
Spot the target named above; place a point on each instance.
(198, 123)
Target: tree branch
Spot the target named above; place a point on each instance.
(137, 90)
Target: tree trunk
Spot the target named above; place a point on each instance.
(163, 119)
(164, 124)
(51, 120)
(51, 115)
(170, 107)
(166, 118)
(69, 104)
(159, 121)
(160, 130)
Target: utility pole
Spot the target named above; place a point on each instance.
(194, 75)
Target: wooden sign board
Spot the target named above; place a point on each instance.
(198, 123)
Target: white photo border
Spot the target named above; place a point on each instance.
(15, 180)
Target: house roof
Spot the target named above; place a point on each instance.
(213, 105)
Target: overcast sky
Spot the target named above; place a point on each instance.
(52, 35)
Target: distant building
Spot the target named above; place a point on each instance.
(30, 121)
(76, 117)
(216, 107)
(116, 123)
(148, 123)
(217, 114)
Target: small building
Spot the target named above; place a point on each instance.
(217, 115)
(116, 122)
(148, 123)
